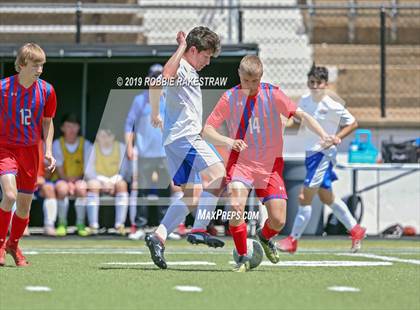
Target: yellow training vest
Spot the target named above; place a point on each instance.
(108, 165)
(73, 162)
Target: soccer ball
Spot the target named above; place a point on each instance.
(254, 251)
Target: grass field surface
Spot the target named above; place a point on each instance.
(106, 273)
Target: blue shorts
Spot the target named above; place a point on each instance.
(319, 170)
(188, 156)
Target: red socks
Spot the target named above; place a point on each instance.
(267, 232)
(4, 225)
(239, 234)
(18, 227)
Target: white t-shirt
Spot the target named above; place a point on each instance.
(58, 153)
(184, 105)
(330, 114)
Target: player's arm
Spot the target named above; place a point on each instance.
(211, 135)
(349, 123)
(155, 92)
(48, 132)
(314, 126)
(171, 67)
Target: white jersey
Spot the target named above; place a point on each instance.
(184, 105)
(330, 114)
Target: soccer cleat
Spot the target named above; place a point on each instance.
(17, 255)
(204, 238)
(174, 236)
(82, 231)
(133, 229)
(3, 255)
(61, 230)
(139, 234)
(287, 245)
(121, 230)
(49, 231)
(357, 234)
(182, 230)
(242, 265)
(269, 248)
(157, 249)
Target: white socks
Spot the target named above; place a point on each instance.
(342, 212)
(133, 206)
(121, 206)
(63, 208)
(92, 206)
(174, 216)
(206, 205)
(301, 221)
(50, 211)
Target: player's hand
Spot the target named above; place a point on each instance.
(326, 142)
(157, 121)
(239, 145)
(336, 140)
(50, 161)
(181, 38)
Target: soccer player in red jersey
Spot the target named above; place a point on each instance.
(252, 112)
(27, 107)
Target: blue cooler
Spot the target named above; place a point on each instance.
(361, 149)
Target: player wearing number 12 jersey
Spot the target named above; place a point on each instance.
(27, 106)
(253, 114)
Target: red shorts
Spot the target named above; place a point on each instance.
(22, 162)
(268, 183)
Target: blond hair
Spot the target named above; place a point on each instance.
(29, 51)
(252, 65)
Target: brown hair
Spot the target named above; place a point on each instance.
(252, 65)
(203, 39)
(29, 51)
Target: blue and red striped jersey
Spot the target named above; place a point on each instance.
(22, 110)
(255, 119)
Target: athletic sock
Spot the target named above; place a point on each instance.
(267, 232)
(206, 205)
(62, 208)
(18, 227)
(50, 211)
(92, 206)
(175, 215)
(301, 221)
(342, 212)
(239, 234)
(121, 206)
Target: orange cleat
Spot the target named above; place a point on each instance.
(357, 234)
(17, 255)
(287, 245)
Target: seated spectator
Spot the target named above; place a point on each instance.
(71, 152)
(104, 174)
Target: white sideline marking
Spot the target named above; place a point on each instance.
(343, 289)
(37, 289)
(184, 263)
(185, 288)
(321, 263)
(384, 258)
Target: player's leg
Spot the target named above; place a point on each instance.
(276, 209)
(342, 212)
(175, 214)
(302, 219)
(79, 190)
(92, 204)
(238, 195)
(9, 196)
(121, 206)
(62, 192)
(49, 206)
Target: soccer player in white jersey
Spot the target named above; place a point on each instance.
(332, 115)
(187, 153)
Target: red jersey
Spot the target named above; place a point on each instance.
(22, 110)
(256, 120)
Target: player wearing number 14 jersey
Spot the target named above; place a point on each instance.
(253, 114)
(27, 106)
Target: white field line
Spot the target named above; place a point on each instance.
(183, 263)
(186, 251)
(384, 258)
(37, 289)
(322, 263)
(186, 288)
(343, 289)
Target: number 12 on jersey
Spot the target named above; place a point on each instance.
(25, 116)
